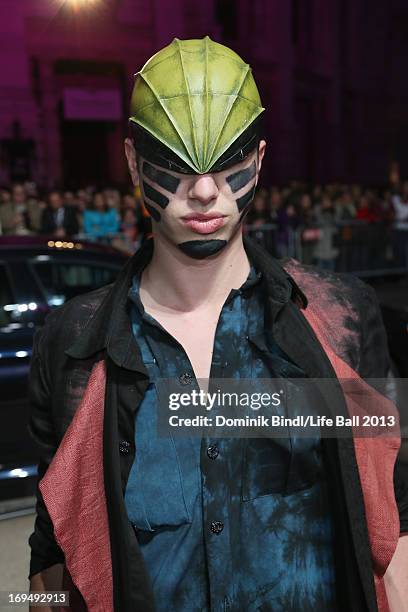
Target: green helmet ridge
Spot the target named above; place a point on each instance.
(196, 97)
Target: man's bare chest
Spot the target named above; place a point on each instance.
(195, 332)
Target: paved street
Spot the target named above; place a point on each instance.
(14, 555)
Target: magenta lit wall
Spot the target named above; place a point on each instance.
(332, 78)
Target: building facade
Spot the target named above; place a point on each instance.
(331, 75)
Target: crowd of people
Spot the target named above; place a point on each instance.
(106, 216)
(335, 226)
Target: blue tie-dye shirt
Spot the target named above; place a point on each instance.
(237, 524)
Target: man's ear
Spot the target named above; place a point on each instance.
(132, 161)
(261, 153)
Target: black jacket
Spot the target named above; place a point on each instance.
(77, 334)
(70, 221)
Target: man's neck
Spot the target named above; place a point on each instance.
(174, 281)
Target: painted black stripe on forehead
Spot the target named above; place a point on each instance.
(165, 180)
(153, 212)
(154, 195)
(246, 198)
(241, 178)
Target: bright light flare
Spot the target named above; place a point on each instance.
(81, 3)
(78, 7)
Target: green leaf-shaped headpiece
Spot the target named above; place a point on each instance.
(196, 97)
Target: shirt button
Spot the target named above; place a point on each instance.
(217, 527)
(186, 378)
(124, 447)
(212, 451)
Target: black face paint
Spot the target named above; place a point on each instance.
(246, 199)
(162, 178)
(155, 196)
(241, 178)
(153, 212)
(200, 249)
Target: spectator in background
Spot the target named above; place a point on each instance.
(83, 199)
(400, 233)
(81, 205)
(364, 235)
(356, 192)
(310, 234)
(275, 202)
(345, 212)
(325, 251)
(58, 220)
(344, 208)
(387, 207)
(258, 212)
(112, 199)
(7, 213)
(69, 198)
(258, 221)
(128, 201)
(305, 210)
(367, 209)
(317, 194)
(285, 236)
(128, 241)
(13, 212)
(34, 207)
(100, 221)
(129, 225)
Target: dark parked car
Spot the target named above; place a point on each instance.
(36, 275)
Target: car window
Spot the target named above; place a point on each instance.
(6, 297)
(62, 281)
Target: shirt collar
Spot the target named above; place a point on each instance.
(252, 281)
(134, 295)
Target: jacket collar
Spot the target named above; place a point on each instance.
(110, 327)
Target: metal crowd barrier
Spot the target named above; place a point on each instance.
(347, 246)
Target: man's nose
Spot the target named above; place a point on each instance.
(204, 189)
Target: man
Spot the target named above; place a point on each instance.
(13, 212)
(58, 220)
(131, 521)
